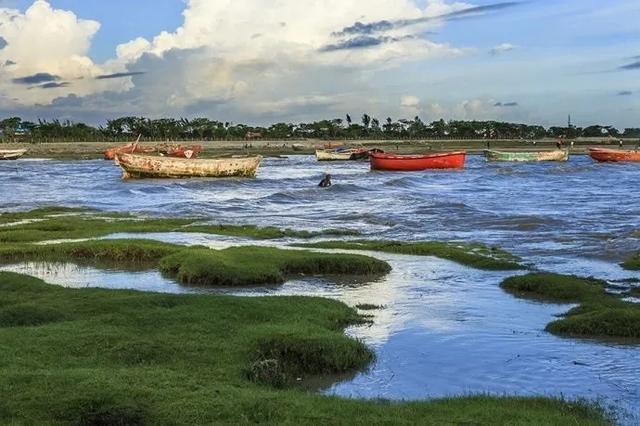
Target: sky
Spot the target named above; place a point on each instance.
(265, 61)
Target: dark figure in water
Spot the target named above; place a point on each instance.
(325, 182)
(620, 143)
(559, 144)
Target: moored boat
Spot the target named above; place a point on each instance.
(342, 154)
(604, 155)
(527, 156)
(132, 148)
(141, 166)
(12, 154)
(180, 151)
(444, 160)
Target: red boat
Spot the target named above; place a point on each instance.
(407, 163)
(132, 148)
(179, 151)
(604, 155)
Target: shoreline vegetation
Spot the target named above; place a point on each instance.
(599, 315)
(94, 356)
(474, 255)
(82, 150)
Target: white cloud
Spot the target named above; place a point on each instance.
(409, 101)
(259, 56)
(502, 48)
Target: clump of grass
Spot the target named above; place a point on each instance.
(57, 223)
(632, 263)
(554, 287)
(237, 266)
(599, 315)
(244, 266)
(190, 364)
(475, 255)
(118, 252)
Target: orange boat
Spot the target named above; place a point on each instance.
(132, 148)
(407, 163)
(604, 155)
(180, 151)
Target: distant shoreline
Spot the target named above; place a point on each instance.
(94, 150)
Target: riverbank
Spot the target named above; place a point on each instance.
(120, 357)
(94, 150)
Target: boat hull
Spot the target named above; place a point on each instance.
(602, 155)
(141, 167)
(344, 155)
(406, 163)
(558, 155)
(7, 155)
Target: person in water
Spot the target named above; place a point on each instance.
(325, 182)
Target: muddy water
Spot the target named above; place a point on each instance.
(445, 329)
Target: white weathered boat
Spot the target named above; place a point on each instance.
(349, 154)
(527, 156)
(11, 154)
(141, 166)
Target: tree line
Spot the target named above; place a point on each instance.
(368, 127)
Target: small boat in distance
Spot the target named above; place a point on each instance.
(342, 154)
(528, 156)
(141, 166)
(180, 151)
(604, 155)
(444, 160)
(132, 148)
(12, 154)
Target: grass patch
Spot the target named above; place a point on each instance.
(599, 315)
(244, 266)
(193, 361)
(55, 223)
(474, 255)
(554, 287)
(199, 266)
(632, 263)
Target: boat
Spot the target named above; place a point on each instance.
(443, 160)
(527, 156)
(342, 154)
(12, 154)
(180, 151)
(604, 155)
(132, 148)
(144, 166)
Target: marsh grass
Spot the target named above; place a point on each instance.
(632, 263)
(199, 266)
(599, 315)
(474, 255)
(245, 266)
(133, 358)
(55, 223)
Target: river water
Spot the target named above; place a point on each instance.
(445, 329)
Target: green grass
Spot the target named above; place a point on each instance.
(474, 255)
(121, 357)
(555, 287)
(54, 223)
(632, 263)
(201, 266)
(600, 315)
(243, 266)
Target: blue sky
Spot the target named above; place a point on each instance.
(535, 61)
